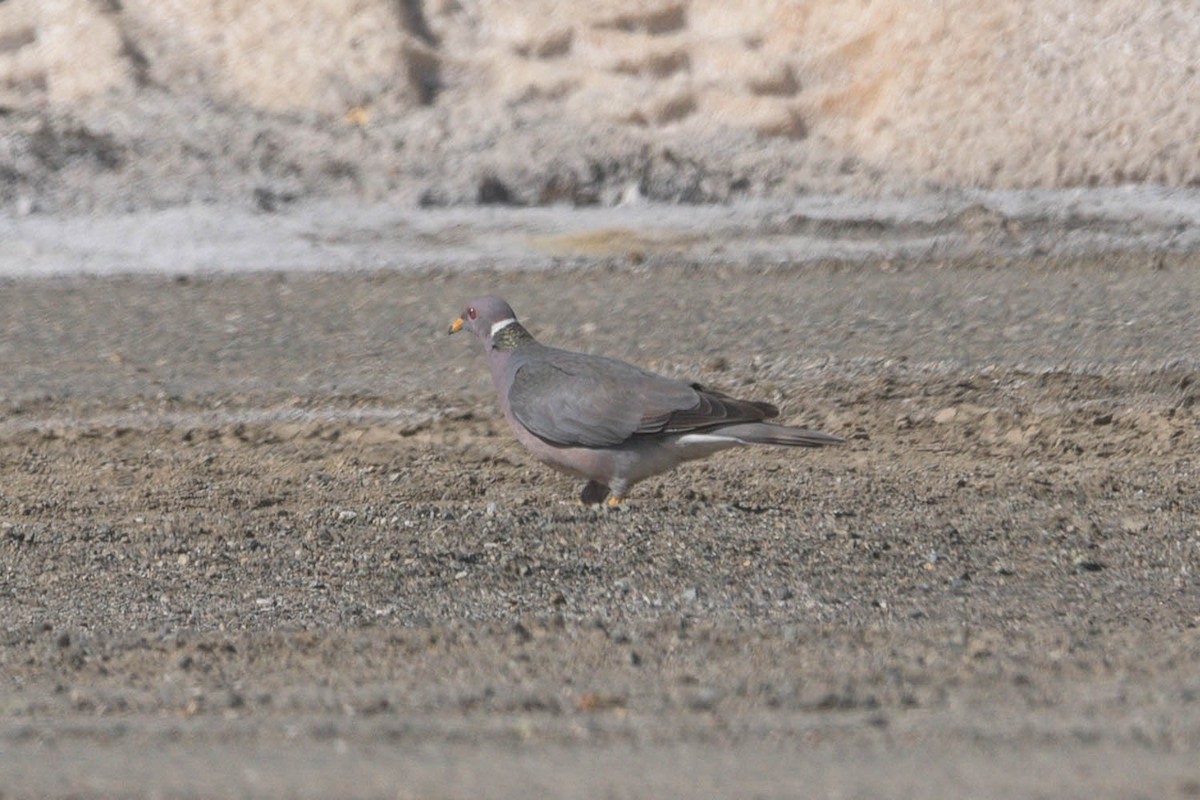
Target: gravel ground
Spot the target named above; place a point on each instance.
(266, 535)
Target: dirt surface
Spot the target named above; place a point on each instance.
(266, 535)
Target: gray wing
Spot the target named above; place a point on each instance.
(574, 399)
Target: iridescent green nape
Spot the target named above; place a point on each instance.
(511, 336)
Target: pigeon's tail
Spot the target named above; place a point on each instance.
(768, 433)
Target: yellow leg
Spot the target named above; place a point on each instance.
(614, 501)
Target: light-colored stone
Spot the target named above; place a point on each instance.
(58, 50)
(946, 415)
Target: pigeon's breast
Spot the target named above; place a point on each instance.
(595, 464)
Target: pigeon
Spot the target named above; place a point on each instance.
(609, 422)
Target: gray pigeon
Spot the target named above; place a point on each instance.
(607, 421)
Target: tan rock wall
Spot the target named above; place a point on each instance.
(1056, 92)
(324, 55)
(1009, 93)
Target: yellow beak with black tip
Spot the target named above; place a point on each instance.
(455, 326)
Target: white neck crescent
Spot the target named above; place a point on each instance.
(501, 325)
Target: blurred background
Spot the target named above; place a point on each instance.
(123, 105)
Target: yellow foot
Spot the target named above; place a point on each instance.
(614, 501)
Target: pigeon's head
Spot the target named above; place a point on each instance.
(484, 316)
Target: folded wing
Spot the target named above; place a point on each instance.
(579, 400)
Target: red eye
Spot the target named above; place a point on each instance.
(472, 313)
